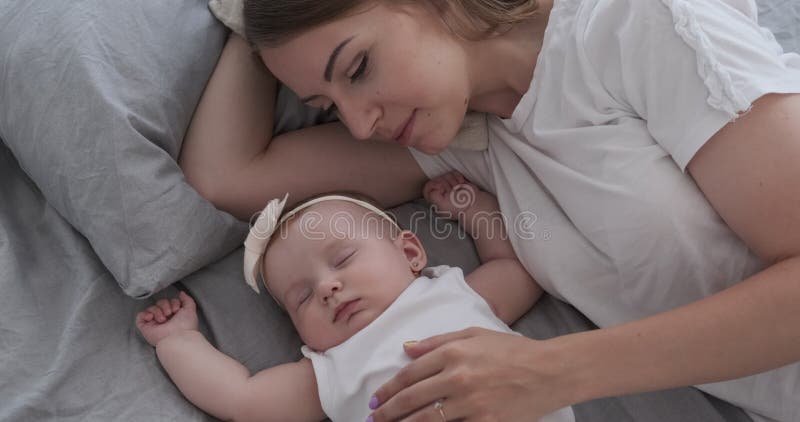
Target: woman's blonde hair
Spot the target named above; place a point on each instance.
(269, 23)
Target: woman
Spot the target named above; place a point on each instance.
(654, 141)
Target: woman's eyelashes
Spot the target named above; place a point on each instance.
(362, 67)
(357, 75)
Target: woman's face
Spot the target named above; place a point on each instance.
(393, 73)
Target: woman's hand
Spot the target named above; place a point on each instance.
(479, 374)
(166, 317)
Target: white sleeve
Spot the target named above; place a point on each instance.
(474, 165)
(686, 67)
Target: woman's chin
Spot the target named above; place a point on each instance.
(431, 148)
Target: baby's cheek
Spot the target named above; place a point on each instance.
(301, 328)
(308, 339)
(317, 335)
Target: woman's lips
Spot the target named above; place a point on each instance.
(345, 310)
(404, 137)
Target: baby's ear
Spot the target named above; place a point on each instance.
(412, 248)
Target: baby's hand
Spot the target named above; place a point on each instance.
(167, 317)
(451, 194)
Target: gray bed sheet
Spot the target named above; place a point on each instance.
(69, 350)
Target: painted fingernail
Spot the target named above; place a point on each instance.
(373, 404)
(410, 343)
(369, 419)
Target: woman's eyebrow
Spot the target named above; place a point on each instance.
(328, 74)
(332, 59)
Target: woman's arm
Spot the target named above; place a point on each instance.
(749, 173)
(229, 155)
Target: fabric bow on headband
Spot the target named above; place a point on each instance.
(257, 239)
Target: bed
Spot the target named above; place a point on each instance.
(97, 221)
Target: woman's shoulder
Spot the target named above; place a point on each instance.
(598, 30)
(624, 19)
(618, 21)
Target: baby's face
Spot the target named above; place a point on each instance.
(336, 268)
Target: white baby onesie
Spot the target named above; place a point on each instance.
(438, 302)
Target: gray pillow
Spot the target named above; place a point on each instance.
(782, 17)
(95, 98)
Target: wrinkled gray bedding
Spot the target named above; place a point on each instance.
(68, 347)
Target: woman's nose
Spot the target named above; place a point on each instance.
(360, 116)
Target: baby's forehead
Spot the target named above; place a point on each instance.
(338, 218)
(335, 207)
(323, 225)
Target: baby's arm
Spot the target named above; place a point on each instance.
(217, 383)
(501, 279)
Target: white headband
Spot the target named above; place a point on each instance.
(262, 230)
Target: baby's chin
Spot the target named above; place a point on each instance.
(324, 344)
(335, 338)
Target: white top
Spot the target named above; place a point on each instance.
(438, 302)
(589, 173)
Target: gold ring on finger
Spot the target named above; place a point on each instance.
(439, 405)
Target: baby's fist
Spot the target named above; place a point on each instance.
(450, 194)
(167, 317)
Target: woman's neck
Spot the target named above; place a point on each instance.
(501, 68)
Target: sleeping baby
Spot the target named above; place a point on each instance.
(356, 288)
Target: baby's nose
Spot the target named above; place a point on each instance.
(328, 288)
